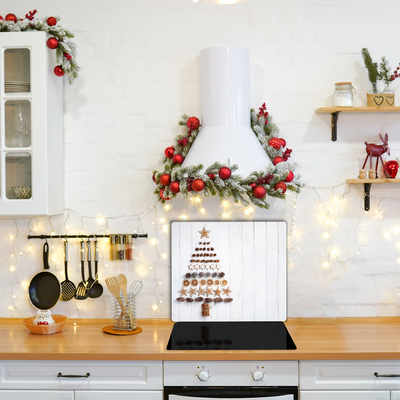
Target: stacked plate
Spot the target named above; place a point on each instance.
(17, 87)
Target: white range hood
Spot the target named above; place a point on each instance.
(226, 135)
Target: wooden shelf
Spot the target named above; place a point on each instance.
(335, 111)
(367, 187)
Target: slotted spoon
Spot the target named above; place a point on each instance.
(68, 288)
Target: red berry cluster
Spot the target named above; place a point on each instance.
(286, 154)
(30, 15)
(211, 176)
(265, 179)
(189, 184)
(183, 142)
(263, 113)
(396, 73)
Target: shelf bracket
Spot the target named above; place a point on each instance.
(367, 190)
(335, 117)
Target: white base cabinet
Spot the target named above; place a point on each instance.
(344, 395)
(35, 395)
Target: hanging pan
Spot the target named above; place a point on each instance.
(45, 288)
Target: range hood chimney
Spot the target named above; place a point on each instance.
(226, 135)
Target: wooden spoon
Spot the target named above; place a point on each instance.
(115, 289)
(123, 284)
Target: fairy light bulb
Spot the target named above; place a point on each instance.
(325, 264)
(162, 220)
(167, 207)
(155, 307)
(202, 210)
(12, 268)
(184, 217)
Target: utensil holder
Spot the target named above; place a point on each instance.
(125, 318)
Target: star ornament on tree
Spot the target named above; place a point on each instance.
(204, 233)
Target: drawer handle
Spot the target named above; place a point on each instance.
(386, 376)
(60, 375)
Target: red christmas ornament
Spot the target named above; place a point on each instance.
(174, 187)
(51, 21)
(67, 56)
(198, 185)
(289, 177)
(275, 143)
(177, 159)
(169, 151)
(11, 17)
(391, 168)
(277, 160)
(52, 43)
(193, 123)
(164, 198)
(283, 142)
(259, 192)
(154, 179)
(225, 173)
(1, 18)
(165, 179)
(58, 70)
(253, 185)
(281, 185)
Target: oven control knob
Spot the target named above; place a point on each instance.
(258, 375)
(204, 375)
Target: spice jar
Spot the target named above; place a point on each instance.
(113, 247)
(343, 95)
(120, 247)
(128, 247)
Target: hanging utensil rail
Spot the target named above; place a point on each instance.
(134, 236)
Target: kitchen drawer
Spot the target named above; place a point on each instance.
(345, 395)
(35, 395)
(118, 395)
(121, 375)
(349, 375)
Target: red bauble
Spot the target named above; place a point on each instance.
(11, 17)
(165, 179)
(391, 168)
(52, 43)
(177, 159)
(58, 70)
(51, 21)
(225, 173)
(161, 195)
(281, 185)
(283, 142)
(275, 143)
(193, 123)
(198, 185)
(169, 151)
(1, 18)
(253, 185)
(259, 192)
(174, 187)
(277, 160)
(154, 179)
(289, 177)
(67, 56)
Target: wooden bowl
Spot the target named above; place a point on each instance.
(60, 321)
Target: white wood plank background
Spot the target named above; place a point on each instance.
(253, 256)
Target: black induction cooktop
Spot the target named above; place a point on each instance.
(259, 335)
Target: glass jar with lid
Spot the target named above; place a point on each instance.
(343, 95)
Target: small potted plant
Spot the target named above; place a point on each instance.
(377, 73)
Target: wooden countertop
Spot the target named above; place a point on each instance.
(315, 338)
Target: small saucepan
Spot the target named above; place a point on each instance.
(45, 288)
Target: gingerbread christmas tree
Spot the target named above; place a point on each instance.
(205, 282)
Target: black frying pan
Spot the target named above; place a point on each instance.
(45, 288)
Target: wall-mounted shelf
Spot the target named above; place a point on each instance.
(367, 187)
(335, 111)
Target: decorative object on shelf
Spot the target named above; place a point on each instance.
(375, 150)
(391, 168)
(65, 48)
(219, 178)
(381, 72)
(343, 95)
(362, 174)
(43, 318)
(22, 192)
(59, 322)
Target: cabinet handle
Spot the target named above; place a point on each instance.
(60, 375)
(386, 376)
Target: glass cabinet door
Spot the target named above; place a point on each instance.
(18, 176)
(17, 67)
(17, 123)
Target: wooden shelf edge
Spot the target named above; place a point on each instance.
(385, 180)
(330, 110)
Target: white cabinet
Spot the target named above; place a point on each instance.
(83, 380)
(31, 126)
(356, 380)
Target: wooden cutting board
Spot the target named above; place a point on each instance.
(252, 255)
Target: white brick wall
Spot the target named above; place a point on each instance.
(139, 74)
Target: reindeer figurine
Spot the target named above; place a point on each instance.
(376, 150)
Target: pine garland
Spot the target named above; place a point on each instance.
(65, 46)
(237, 187)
